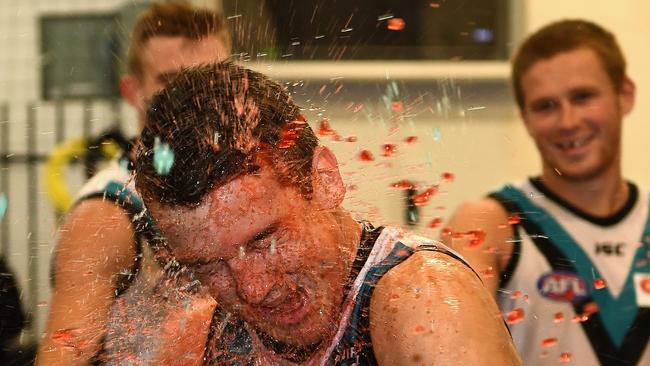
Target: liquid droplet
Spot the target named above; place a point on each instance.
(163, 157)
(558, 318)
(423, 198)
(515, 316)
(389, 150)
(64, 336)
(565, 357)
(549, 342)
(599, 284)
(447, 177)
(419, 330)
(397, 107)
(437, 221)
(324, 128)
(290, 133)
(488, 272)
(396, 24)
(366, 155)
(402, 184)
(477, 237)
(3, 205)
(411, 139)
(514, 219)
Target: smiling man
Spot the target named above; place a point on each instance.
(569, 269)
(264, 267)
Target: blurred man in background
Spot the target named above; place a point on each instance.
(566, 252)
(97, 254)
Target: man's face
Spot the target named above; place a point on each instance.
(265, 253)
(574, 114)
(163, 57)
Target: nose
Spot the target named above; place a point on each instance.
(568, 118)
(253, 279)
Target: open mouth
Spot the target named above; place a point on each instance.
(291, 310)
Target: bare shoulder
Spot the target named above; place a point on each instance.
(481, 211)
(433, 309)
(96, 230)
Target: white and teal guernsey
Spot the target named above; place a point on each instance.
(379, 251)
(581, 282)
(230, 340)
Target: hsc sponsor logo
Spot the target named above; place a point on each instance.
(562, 286)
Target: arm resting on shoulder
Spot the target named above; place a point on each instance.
(433, 310)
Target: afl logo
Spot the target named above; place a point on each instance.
(562, 286)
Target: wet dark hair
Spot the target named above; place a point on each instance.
(565, 36)
(221, 120)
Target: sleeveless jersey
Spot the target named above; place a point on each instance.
(230, 342)
(577, 288)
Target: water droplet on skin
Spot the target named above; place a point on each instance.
(515, 316)
(488, 272)
(549, 342)
(446, 232)
(558, 318)
(64, 336)
(477, 237)
(419, 330)
(565, 357)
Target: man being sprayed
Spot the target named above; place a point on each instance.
(250, 216)
(572, 267)
(97, 254)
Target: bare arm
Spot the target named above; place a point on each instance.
(95, 245)
(433, 310)
(490, 256)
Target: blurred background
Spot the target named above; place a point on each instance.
(413, 91)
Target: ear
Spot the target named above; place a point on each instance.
(131, 91)
(326, 179)
(627, 95)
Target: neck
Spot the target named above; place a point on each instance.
(600, 196)
(350, 236)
